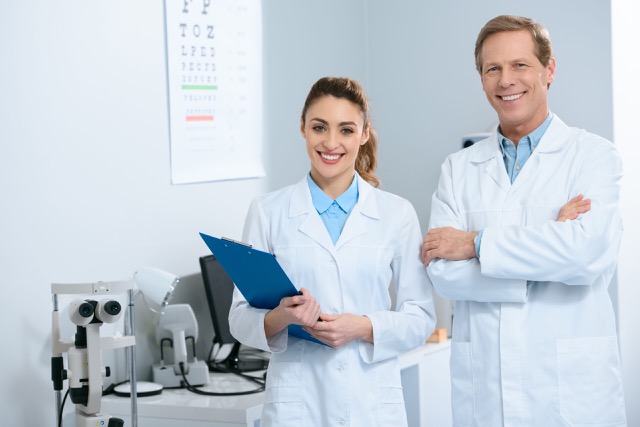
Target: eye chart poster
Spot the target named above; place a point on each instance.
(214, 79)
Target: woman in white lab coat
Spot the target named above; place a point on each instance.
(342, 242)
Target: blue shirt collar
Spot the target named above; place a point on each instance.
(533, 139)
(346, 201)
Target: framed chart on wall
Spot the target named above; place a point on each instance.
(214, 84)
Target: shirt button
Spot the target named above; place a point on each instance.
(518, 167)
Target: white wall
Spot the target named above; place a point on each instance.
(84, 160)
(626, 90)
(85, 187)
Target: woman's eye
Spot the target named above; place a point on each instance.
(318, 128)
(346, 130)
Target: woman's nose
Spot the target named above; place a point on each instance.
(333, 141)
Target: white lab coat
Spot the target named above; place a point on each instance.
(309, 384)
(544, 354)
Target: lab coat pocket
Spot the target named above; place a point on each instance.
(461, 384)
(389, 381)
(475, 221)
(284, 377)
(391, 409)
(542, 209)
(283, 395)
(282, 414)
(589, 382)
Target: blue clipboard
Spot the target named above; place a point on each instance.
(257, 275)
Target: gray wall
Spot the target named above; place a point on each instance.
(303, 42)
(415, 59)
(84, 149)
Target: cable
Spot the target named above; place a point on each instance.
(212, 357)
(107, 391)
(64, 399)
(240, 359)
(185, 384)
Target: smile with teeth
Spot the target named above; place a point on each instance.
(512, 97)
(330, 156)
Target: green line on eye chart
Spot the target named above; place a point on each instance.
(199, 87)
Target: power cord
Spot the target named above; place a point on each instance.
(243, 360)
(257, 380)
(62, 408)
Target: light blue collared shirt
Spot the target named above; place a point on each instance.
(515, 157)
(334, 213)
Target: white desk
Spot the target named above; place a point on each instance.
(426, 385)
(425, 379)
(175, 407)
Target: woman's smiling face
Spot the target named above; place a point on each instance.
(334, 130)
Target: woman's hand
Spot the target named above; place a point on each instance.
(296, 310)
(339, 330)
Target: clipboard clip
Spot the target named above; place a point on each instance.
(235, 241)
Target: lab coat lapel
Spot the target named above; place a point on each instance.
(556, 137)
(312, 226)
(490, 158)
(530, 168)
(366, 207)
(553, 140)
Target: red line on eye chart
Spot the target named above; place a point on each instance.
(199, 118)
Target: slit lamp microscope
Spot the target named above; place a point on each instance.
(84, 370)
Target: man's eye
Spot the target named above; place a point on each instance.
(492, 69)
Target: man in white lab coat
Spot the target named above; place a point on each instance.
(534, 336)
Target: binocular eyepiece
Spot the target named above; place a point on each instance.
(83, 312)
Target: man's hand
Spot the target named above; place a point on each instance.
(574, 207)
(448, 243)
(298, 310)
(339, 330)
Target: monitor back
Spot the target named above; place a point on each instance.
(219, 289)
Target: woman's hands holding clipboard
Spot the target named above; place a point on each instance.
(334, 330)
(340, 329)
(300, 309)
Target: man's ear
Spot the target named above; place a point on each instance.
(551, 70)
